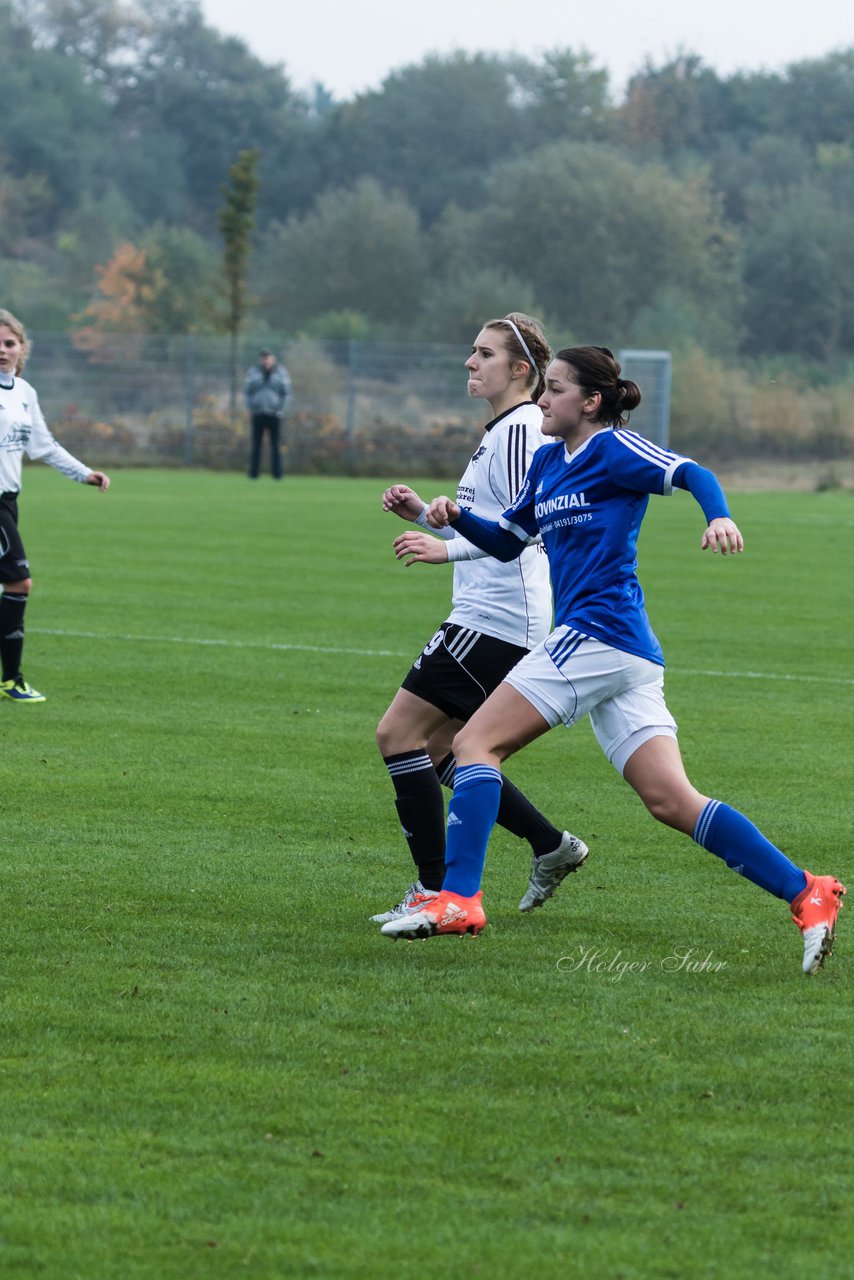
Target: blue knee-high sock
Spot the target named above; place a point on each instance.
(472, 811)
(732, 837)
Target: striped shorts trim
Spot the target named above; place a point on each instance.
(571, 675)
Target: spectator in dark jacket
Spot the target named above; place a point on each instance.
(266, 390)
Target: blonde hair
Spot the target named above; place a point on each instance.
(13, 323)
(526, 341)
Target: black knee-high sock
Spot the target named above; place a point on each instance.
(515, 812)
(421, 809)
(12, 606)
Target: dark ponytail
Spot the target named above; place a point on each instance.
(597, 370)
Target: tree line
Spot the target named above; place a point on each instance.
(695, 211)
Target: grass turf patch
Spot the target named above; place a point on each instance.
(213, 1064)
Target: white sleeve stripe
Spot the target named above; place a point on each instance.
(668, 475)
(518, 531)
(644, 448)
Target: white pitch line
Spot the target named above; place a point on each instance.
(395, 653)
(761, 675)
(224, 644)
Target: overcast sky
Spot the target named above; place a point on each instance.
(352, 45)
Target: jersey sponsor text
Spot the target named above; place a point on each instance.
(563, 502)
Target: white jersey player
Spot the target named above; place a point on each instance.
(499, 613)
(514, 606)
(23, 430)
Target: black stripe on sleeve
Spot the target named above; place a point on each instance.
(517, 450)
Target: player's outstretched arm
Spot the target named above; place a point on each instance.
(420, 548)
(403, 501)
(488, 535)
(722, 535)
(441, 512)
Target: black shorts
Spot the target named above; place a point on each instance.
(459, 668)
(14, 565)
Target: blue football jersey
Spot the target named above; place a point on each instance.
(588, 507)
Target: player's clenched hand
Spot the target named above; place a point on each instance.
(441, 512)
(722, 535)
(421, 548)
(403, 501)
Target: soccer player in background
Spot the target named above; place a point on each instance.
(586, 499)
(22, 430)
(499, 612)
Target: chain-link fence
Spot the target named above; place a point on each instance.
(385, 408)
(358, 408)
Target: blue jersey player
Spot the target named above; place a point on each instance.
(586, 499)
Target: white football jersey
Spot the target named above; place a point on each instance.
(512, 602)
(23, 430)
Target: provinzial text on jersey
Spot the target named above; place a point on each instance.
(563, 502)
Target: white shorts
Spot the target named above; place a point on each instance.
(570, 675)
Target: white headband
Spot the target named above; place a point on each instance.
(523, 344)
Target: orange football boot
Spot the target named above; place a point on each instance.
(814, 911)
(449, 913)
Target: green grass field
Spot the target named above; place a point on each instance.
(213, 1065)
